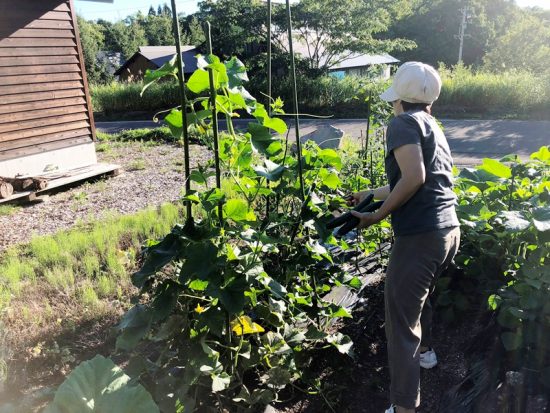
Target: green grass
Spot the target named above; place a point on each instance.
(89, 261)
(466, 92)
(125, 97)
(509, 94)
(6, 210)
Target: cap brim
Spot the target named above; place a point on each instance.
(389, 95)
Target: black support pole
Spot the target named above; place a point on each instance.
(295, 93)
(181, 78)
(213, 95)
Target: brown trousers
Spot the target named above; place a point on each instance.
(415, 263)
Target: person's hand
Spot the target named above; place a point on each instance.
(356, 198)
(366, 219)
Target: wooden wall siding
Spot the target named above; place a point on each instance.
(44, 99)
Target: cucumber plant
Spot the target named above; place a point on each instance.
(232, 304)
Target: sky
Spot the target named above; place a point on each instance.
(122, 8)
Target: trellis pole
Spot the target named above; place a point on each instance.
(213, 108)
(295, 100)
(181, 79)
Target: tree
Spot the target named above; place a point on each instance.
(151, 11)
(435, 25)
(236, 25)
(526, 46)
(192, 32)
(125, 37)
(92, 40)
(333, 30)
(330, 30)
(158, 30)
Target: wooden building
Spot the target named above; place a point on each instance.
(46, 119)
(153, 57)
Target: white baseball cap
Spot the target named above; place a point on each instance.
(414, 82)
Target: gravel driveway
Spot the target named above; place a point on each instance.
(153, 174)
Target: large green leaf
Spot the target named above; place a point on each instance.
(496, 168)
(238, 210)
(99, 386)
(201, 261)
(157, 257)
(231, 295)
(271, 171)
(541, 218)
(260, 137)
(330, 157)
(236, 72)
(543, 154)
(169, 69)
(199, 81)
(135, 325)
(513, 221)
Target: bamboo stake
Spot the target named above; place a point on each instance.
(213, 95)
(181, 79)
(269, 57)
(295, 93)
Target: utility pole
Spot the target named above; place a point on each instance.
(462, 32)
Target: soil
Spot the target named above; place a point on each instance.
(361, 384)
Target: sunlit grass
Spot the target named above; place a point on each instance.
(95, 257)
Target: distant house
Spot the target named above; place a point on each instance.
(153, 57)
(363, 65)
(347, 63)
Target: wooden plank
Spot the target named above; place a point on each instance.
(34, 97)
(83, 67)
(39, 114)
(90, 171)
(37, 42)
(39, 24)
(15, 13)
(27, 79)
(39, 87)
(42, 33)
(43, 122)
(42, 104)
(29, 133)
(40, 69)
(49, 146)
(29, 6)
(52, 137)
(37, 51)
(37, 60)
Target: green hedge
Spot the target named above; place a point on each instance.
(465, 92)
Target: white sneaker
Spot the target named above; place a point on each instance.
(391, 409)
(428, 359)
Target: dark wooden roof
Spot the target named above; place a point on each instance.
(159, 55)
(44, 99)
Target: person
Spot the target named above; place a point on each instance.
(421, 202)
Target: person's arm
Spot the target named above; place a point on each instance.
(380, 194)
(413, 175)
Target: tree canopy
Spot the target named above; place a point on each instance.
(499, 34)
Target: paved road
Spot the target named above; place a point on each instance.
(470, 140)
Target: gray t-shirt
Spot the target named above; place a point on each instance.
(432, 207)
